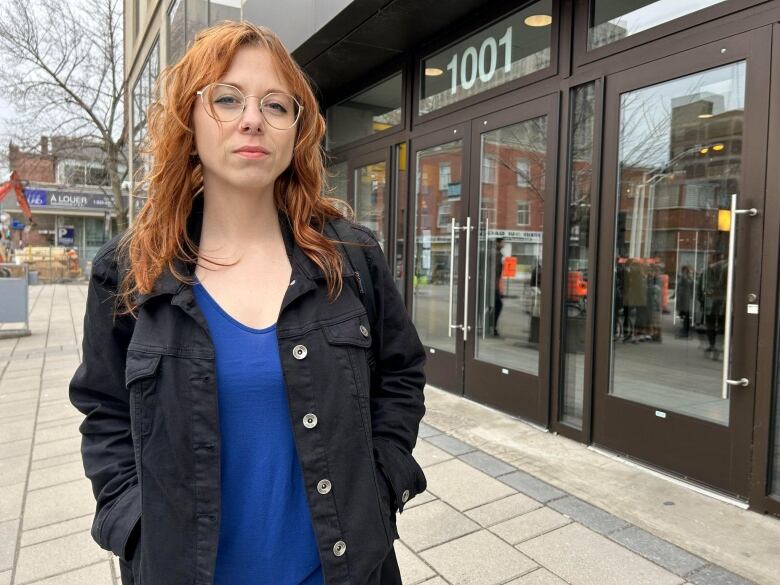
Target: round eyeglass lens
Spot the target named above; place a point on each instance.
(226, 103)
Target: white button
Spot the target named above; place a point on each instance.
(292, 282)
(323, 486)
(299, 352)
(364, 331)
(405, 496)
(339, 548)
(310, 421)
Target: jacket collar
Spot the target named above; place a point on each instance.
(302, 265)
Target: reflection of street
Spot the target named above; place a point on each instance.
(511, 349)
(675, 374)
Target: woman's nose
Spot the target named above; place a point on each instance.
(252, 118)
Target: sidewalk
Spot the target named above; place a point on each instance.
(506, 504)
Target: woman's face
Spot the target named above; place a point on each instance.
(269, 149)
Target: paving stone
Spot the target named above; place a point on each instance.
(435, 581)
(413, 569)
(420, 499)
(14, 409)
(540, 576)
(427, 455)
(8, 532)
(58, 556)
(431, 524)
(661, 552)
(15, 431)
(52, 412)
(594, 518)
(462, 486)
(57, 530)
(11, 501)
(480, 558)
(48, 435)
(451, 445)
(55, 448)
(503, 509)
(58, 503)
(15, 448)
(487, 463)
(50, 476)
(52, 461)
(531, 525)
(13, 470)
(582, 557)
(714, 575)
(5, 578)
(531, 486)
(427, 430)
(97, 574)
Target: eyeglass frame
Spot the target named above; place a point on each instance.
(243, 105)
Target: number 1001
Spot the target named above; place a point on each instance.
(482, 63)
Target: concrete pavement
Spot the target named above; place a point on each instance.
(507, 503)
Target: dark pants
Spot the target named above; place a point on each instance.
(498, 304)
(686, 322)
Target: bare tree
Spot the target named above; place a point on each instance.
(63, 72)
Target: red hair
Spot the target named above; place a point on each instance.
(158, 236)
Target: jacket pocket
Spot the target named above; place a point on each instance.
(140, 376)
(354, 336)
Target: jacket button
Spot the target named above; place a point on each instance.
(339, 548)
(405, 496)
(364, 331)
(310, 421)
(299, 352)
(323, 486)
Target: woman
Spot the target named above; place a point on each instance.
(246, 421)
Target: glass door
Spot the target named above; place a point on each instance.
(511, 211)
(677, 332)
(439, 220)
(369, 174)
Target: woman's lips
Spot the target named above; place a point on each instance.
(251, 154)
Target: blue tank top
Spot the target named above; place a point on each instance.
(265, 533)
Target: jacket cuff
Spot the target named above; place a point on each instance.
(117, 525)
(402, 472)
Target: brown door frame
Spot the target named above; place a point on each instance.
(443, 369)
(509, 390)
(633, 428)
(767, 373)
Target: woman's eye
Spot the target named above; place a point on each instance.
(277, 107)
(226, 100)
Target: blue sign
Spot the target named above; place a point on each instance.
(65, 235)
(17, 225)
(36, 197)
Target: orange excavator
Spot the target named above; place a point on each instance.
(17, 185)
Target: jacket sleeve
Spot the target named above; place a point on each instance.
(397, 399)
(98, 390)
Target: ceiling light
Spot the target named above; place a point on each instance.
(703, 116)
(433, 72)
(718, 146)
(538, 20)
(704, 150)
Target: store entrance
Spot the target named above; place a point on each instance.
(482, 280)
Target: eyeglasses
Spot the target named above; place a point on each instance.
(225, 103)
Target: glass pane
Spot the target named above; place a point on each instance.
(401, 173)
(509, 269)
(437, 202)
(176, 42)
(774, 477)
(337, 181)
(578, 269)
(679, 162)
(509, 49)
(197, 18)
(612, 20)
(370, 198)
(367, 113)
(220, 10)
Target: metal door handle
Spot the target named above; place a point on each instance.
(466, 281)
(485, 280)
(752, 212)
(452, 277)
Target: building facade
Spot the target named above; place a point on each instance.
(577, 199)
(70, 197)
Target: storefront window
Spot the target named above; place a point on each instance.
(143, 94)
(509, 49)
(337, 182)
(613, 20)
(176, 32)
(372, 111)
(401, 194)
(580, 170)
(370, 181)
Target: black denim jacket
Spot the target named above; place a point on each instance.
(150, 437)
